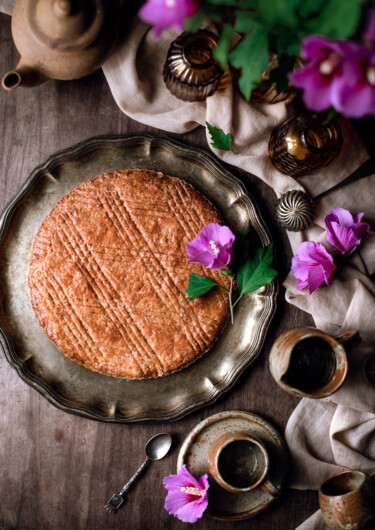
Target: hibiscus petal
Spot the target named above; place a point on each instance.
(316, 278)
(300, 269)
(369, 34)
(321, 255)
(359, 229)
(305, 249)
(222, 260)
(358, 218)
(221, 235)
(203, 481)
(225, 236)
(204, 258)
(176, 500)
(316, 86)
(302, 284)
(314, 45)
(342, 216)
(196, 246)
(162, 15)
(344, 239)
(191, 512)
(352, 93)
(331, 236)
(183, 479)
(175, 482)
(184, 473)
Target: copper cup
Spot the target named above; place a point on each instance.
(240, 462)
(347, 500)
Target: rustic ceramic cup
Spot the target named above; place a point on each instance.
(347, 500)
(309, 363)
(239, 462)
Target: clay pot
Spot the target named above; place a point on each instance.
(347, 501)
(60, 39)
(309, 363)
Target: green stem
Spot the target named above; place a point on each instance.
(223, 289)
(230, 299)
(238, 299)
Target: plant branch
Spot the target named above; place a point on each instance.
(230, 299)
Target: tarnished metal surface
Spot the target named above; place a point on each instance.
(194, 453)
(74, 388)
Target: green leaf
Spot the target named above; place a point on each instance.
(310, 6)
(246, 22)
(276, 11)
(223, 2)
(338, 19)
(220, 140)
(331, 115)
(251, 55)
(249, 4)
(241, 249)
(198, 285)
(279, 75)
(256, 272)
(193, 23)
(222, 49)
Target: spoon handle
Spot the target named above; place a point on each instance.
(135, 476)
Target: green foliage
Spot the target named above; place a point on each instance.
(220, 140)
(279, 75)
(252, 56)
(193, 23)
(241, 250)
(221, 52)
(279, 11)
(338, 19)
(308, 7)
(256, 272)
(247, 21)
(274, 27)
(223, 2)
(198, 286)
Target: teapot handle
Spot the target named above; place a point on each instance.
(349, 339)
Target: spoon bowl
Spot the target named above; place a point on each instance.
(158, 446)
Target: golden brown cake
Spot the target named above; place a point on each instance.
(108, 274)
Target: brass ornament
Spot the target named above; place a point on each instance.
(295, 210)
(190, 71)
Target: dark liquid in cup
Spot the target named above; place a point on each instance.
(312, 365)
(241, 463)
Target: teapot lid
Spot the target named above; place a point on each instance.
(65, 24)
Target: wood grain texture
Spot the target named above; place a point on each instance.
(57, 470)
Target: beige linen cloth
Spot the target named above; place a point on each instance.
(324, 436)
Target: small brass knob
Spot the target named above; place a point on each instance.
(295, 210)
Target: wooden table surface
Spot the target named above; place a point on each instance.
(57, 470)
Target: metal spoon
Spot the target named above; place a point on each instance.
(156, 449)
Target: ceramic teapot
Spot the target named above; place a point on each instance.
(60, 39)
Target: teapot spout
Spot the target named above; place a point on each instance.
(23, 75)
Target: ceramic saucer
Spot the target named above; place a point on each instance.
(194, 453)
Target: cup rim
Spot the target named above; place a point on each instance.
(336, 475)
(234, 437)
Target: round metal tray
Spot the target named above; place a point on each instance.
(71, 386)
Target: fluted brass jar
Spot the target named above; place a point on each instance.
(190, 70)
(304, 144)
